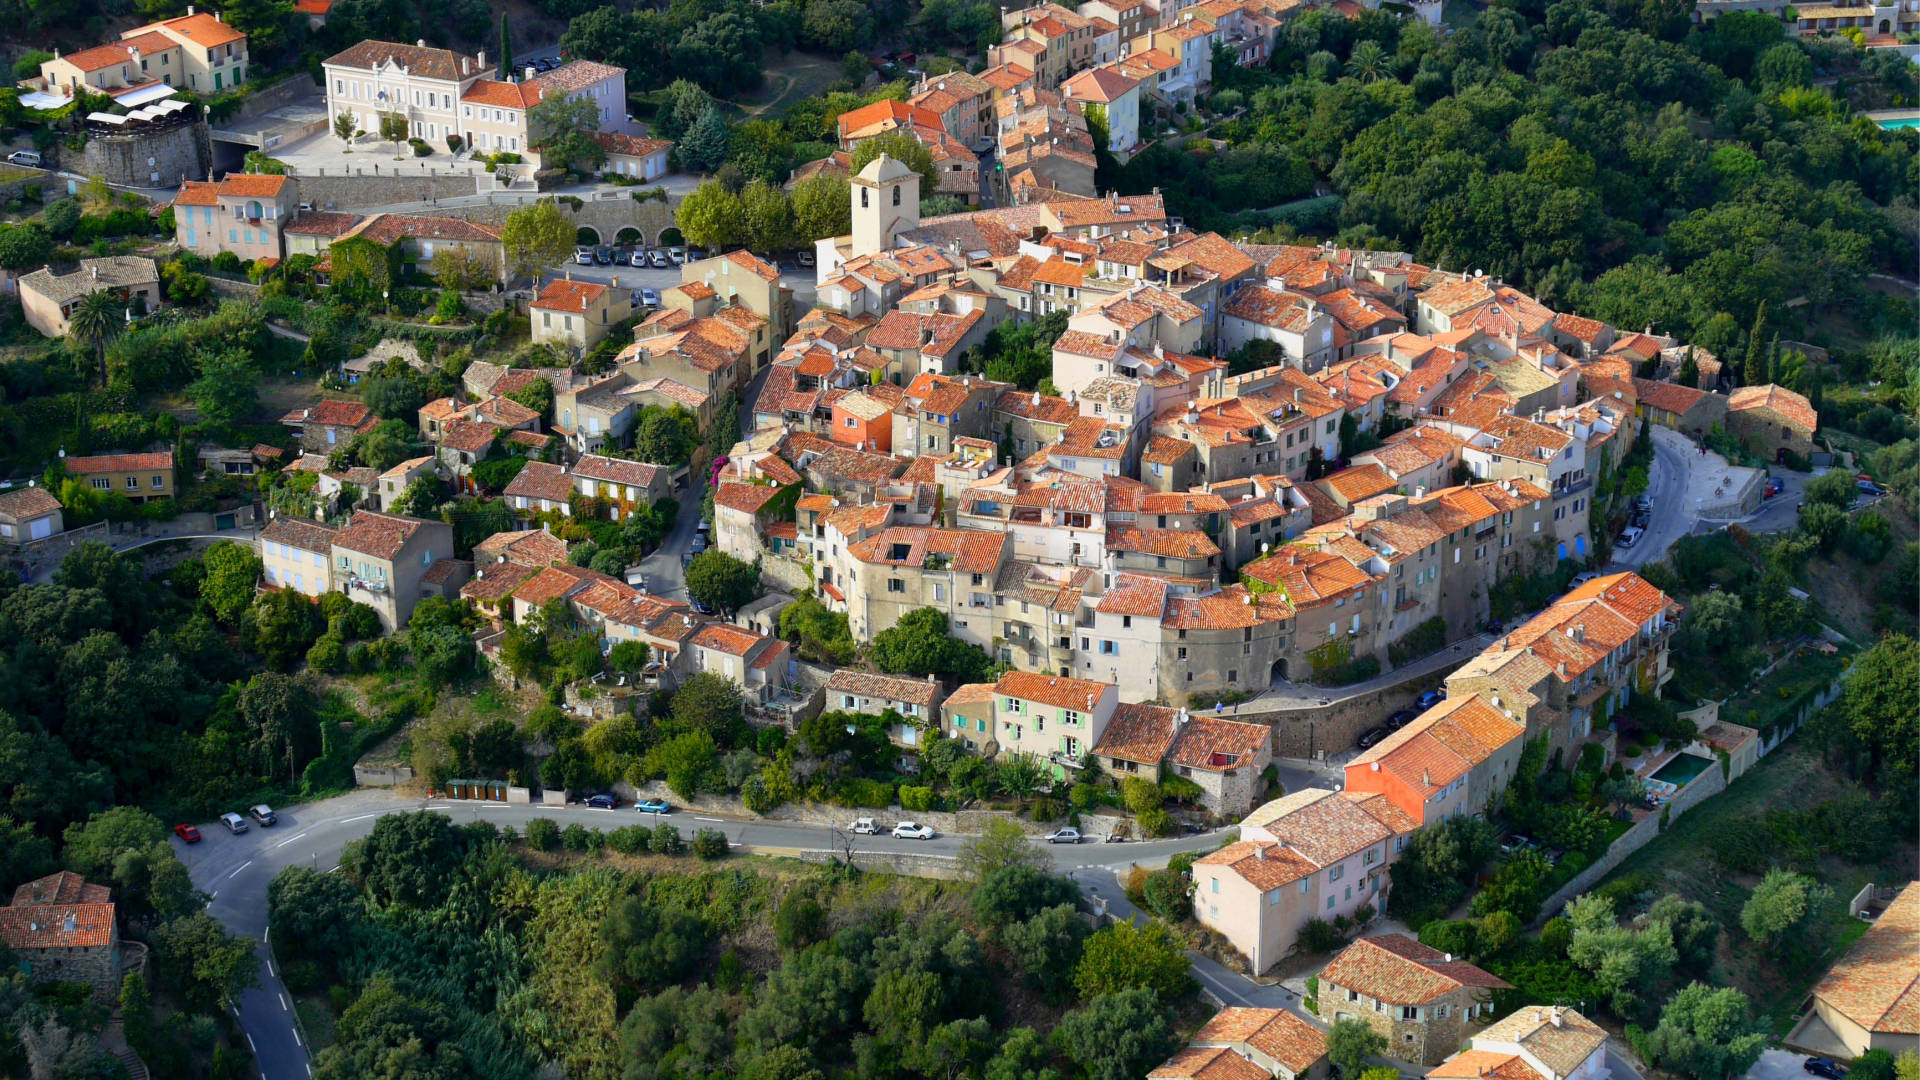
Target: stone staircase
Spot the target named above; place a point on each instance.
(114, 1041)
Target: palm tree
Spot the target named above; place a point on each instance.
(95, 321)
(1368, 63)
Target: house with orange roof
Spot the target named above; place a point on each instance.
(757, 662)
(1224, 757)
(1684, 409)
(1250, 1044)
(1537, 1042)
(1507, 447)
(196, 52)
(1423, 1001)
(577, 315)
(1329, 588)
(901, 568)
(1449, 761)
(241, 212)
(1773, 422)
(1262, 511)
(382, 560)
(1161, 638)
(1870, 998)
(1293, 321)
(1310, 854)
(61, 928)
(1190, 43)
(937, 409)
(1115, 91)
(1052, 717)
(741, 279)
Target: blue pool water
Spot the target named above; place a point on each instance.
(1901, 122)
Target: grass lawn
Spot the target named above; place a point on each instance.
(796, 77)
(1681, 861)
(316, 1019)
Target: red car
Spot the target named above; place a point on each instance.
(188, 833)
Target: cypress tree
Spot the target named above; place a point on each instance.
(506, 49)
(1756, 348)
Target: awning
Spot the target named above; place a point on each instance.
(41, 99)
(156, 91)
(107, 118)
(171, 105)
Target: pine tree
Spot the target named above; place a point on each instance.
(506, 49)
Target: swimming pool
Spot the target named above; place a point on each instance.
(1682, 768)
(1900, 123)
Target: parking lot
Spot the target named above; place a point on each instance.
(792, 275)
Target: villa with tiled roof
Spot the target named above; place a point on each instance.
(1424, 1001)
(1870, 998)
(1250, 1044)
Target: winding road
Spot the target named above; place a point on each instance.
(235, 871)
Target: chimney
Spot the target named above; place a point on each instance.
(1446, 958)
(532, 73)
(189, 10)
(480, 60)
(96, 272)
(616, 281)
(568, 274)
(1555, 1019)
(1426, 777)
(420, 43)
(466, 65)
(1563, 669)
(1260, 852)
(216, 17)
(1580, 633)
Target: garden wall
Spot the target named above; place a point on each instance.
(955, 823)
(1709, 783)
(381, 775)
(926, 866)
(1304, 729)
(382, 185)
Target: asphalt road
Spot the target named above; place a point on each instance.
(1667, 484)
(666, 573)
(236, 870)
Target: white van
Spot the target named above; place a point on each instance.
(29, 158)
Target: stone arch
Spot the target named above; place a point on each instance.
(670, 236)
(1279, 673)
(1886, 27)
(586, 234)
(630, 236)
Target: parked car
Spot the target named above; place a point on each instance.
(653, 806)
(677, 253)
(1429, 699)
(649, 297)
(700, 606)
(805, 258)
(1827, 1067)
(1401, 719)
(912, 830)
(1068, 835)
(699, 542)
(583, 256)
(638, 257)
(1630, 536)
(1640, 519)
(1775, 486)
(863, 826)
(1515, 844)
(263, 814)
(695, 254)
(602, 801)
(1643, 502)
(1371, 736)
(1868, 487)
(28, 158)
(659, 260)
(188, 833)
(603, 256)
(234, 822)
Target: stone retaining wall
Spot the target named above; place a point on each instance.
(393, 183)
(957, 823)
(1709, 783)
(926, 866)
(381, 775)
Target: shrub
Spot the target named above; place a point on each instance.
(574, 837)
(916, 798)
(1156, 822)
(421, 148)
(328, 655)
(1313, 994)
(1321, 936)
(665, 840)
(710, 844)
(863, 792)
(302, 976)
(1084, 796)
(542, 834)
(1141, 795)
(630, 839)
(338, 998)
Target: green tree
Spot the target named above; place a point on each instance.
(1047, 949)
(1117, 1036)
(1879, 708)
(712, 217)
(918, 644)
(704, 147)
(768, 215)
(506, 50)
(94, 323)
(205, 965)
(391, 1034)
(721, 581)
(1703, 1033)
(822, 208)
(346, 127)
(689, 762)
(1350, 1042)
(232, 573)
(903, 148)
(225, 393)
(1625, 961)
(1125, 956)
(408, 860)
(709, 704)
(1001, 845)
(462, 268)
(281, 626)
(1015, 888)
(1782, 902)
(556, 126)
(315, 914)
(24, 247)
(534, 238)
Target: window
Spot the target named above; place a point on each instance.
(896, 196)
(1352, 995)
(1336, 873)
(895, 585)
(1108, 648)
(158, 482)
(1409, 1012)
(1183, 654)
(133, 483)
(101, 483)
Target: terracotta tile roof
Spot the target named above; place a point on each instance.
(970, 694)
(508, 95)
(1485, 1065)
(616, 470)
(1443, 743)
(554, 582)
(575, 75)
(1033, 405)
(968, 551)
(541, 480)
(1165, 450)
(1211, 744)
(1277, 1033)
(1358, 482)
(1263, 864)
(1398, 970)
(1308, 576)
(1208, 1063)
(26, 502)
(575, 296)
(469, 436)
(1225, 608)
(1214, 254)
(1140, 733)
(1170, 543)
(746, 498)
(305, 535)
(1056, 690)
(1877, 983)
(1381, 809)
(57, 926)
(1795, 408)
(629, 145)
(496, 581)
(385, 229)
(321, 223)
(922, 692)
(1135, 595)
(1666, 396)
(202, 29)
(1266, 307)
(528, 547)
(1558, 1037)
(722, 637)
(159, 461)
(119, 52)
(1318, 825)
(65, 887)
(442, 64)
(331, 412)
(443, 571)
(379, 535)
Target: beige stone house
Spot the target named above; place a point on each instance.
(62, 929)
(383, 560)
(1313, 854)
(241, 212)
(622, 484)
(1772, 421)
(578, 315)
(196, 52)
(48, 298)
(1224, 757)
(1250, 1044)
(140, 477)
(297, 555)
(1425, 1002)
(1054, 718)
(1539, 1042)
(917, 701)
(1867, 998)
(28, 513)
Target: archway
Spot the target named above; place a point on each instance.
(670, 237)
(1885, 26)
(588, 235)
(1561, 550)
(1279, 673)
(630, 237)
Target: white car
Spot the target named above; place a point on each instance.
(1631, 536)
(583, 256)
(1068, 835)
(912, 830)
(864, 826)
(649, 298)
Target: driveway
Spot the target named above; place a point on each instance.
(1779, 1065)
(236, 870)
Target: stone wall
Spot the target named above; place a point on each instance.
(412, 183)
(276, 96)
(607, 213)
(926, 866)
(957, 823)
(160, 159)
(381, 775)
(1306, 729)
(227, 288)
(782, 574)
(1709, 783)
